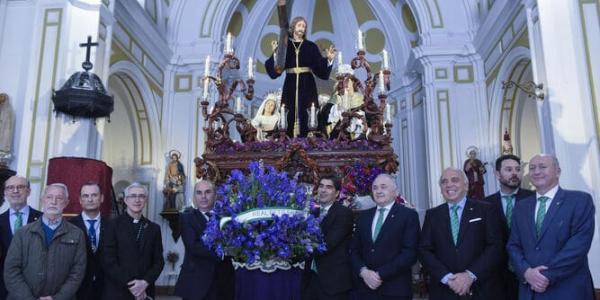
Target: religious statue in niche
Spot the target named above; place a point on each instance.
(474, 169)
(6, 130)
(301, 59)
(267, 117)
(174, 189)
(507, 147)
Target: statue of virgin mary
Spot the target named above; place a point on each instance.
(267, 117)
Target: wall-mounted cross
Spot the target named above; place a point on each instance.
(87, 64)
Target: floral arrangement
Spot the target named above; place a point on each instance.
(263, 220)
(309, 144)
(358, 177)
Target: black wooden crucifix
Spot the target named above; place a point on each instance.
(87, 64)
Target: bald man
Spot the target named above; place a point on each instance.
(384, 246)
(550, 237)
(19, 214)
(461, 244)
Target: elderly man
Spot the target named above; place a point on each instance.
(550, 237)
(508, 172)
(330, 275)
(461, 245)
(203, 274)
(16, 192)
(46, 259)
(384, 246)
(92, 224)
(132, 250)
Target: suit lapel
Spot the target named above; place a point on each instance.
(445, 221)
(552, 210)
(368, 223)
(326, 222)
(33, 216)
(467, 215)
(145, 232)
(497, 201)
(529, 209)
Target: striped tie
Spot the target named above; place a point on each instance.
(454, 222)
(379, 223)
(509, 208)
(18, 221)
(541, 213)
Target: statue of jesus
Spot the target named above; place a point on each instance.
(303, 60)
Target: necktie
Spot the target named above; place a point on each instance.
(18, 221)
(454, 222)
(92, 234)
(509, 208)
(541, 213)
(379, 223)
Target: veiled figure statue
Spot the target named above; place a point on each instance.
(267, 117)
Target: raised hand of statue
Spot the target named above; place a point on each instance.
(331, 52)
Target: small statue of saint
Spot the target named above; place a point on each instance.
(475, 170)
(174, 189)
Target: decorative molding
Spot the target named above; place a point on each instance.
(441, 73)
(463, 74)
(444, 130)
(183, 83)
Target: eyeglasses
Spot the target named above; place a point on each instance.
(138, 196)
(15, 188)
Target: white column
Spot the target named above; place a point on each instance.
(455, 111)
(564, 60)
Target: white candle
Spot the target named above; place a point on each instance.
(313, 115)
(228, 43)
(282, 117)
(360, 41)
(250, 68)
(205, 89)
(381, 83)
(340, 58)
(238, 105)
(388, 113)
(207, 66)
(386, 65)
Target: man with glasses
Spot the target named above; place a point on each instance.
(46, 259)
(132, 250)
(19, 214)
(203, 275)
(92, 224)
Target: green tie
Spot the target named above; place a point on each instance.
(541, 213)
(454, 222)
(509, 208)
(18, 221)
(379, 223)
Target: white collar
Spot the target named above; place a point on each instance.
(24, 210)
(550, 193)
(85, 217)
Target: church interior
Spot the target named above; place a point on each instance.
(489, 76)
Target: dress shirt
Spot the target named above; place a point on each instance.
(325, 210)
(52, 224)
(85, 218)
(13, 216)
(502, 195)
(459, 211)
(385, 214)
(550, 194)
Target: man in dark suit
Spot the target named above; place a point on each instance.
(132, 256)
(204, 275)
(16, 192)
(550, 237)
(384, 246)
(92, 224)
(461, 245)
(508, 172)
(329, 275)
